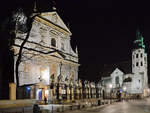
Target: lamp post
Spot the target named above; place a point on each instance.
(124, 89)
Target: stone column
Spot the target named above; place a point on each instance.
(35, 91)
(32, 92)
(72, 92)
(86, 93)
(12, 91)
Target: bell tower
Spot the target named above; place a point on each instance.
(139, 58)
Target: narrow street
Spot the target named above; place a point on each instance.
(137, 106)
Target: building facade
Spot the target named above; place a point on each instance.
(133, 77)
(139, 65)
(48, 63)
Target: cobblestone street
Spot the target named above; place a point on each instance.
(136, 106)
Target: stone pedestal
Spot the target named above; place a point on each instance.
(81, 93)
(12, 91)
(72, 93)
(68, 93)
(77, 93)
(54, 93)
(60, 92)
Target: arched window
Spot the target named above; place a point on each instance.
(137, 55)
(141, 55)
(117, 80)
(53, 42)
(141, 63)
(137, 64)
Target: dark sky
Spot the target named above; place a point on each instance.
(103, 30)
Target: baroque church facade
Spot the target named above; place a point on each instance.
(48, 61)
(130, 77)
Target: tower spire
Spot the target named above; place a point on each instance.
(139, 42)
(138, 34)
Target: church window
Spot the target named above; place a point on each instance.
(141, 63)
(117, 80)
(139, 81)
(137, 55)
(53, 42)
(145, 59)
(141, 55)
(137, 64)
(133, 56)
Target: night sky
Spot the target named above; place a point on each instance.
(103, 30)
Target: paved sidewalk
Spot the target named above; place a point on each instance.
(16, 103)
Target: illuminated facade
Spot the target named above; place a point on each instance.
(137, 81)
(132, 77)
(48, 61)
(139, 65)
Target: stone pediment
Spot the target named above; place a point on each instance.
(117, 71)
(54, 18)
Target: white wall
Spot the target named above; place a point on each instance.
(117, 73)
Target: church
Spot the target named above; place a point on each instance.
(130, 77)
(49, 65)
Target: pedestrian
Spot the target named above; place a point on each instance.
(45, 99)
(36, 108)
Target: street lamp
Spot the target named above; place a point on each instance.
(110, 86)
(124, 89)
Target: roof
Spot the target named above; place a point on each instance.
(129, 79)
(125, 67)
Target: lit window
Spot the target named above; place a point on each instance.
(117, 80)
(53, 42)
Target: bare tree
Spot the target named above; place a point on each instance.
(25, 22)
(19, 18)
